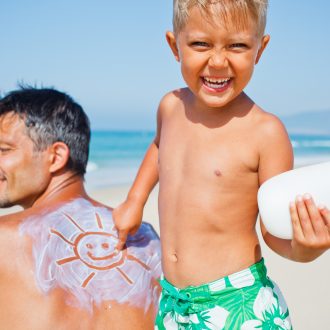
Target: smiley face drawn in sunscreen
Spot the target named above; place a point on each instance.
(74, 249)
(96, 249)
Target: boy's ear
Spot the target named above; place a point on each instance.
(171, 40)
(59, 156)
(264, 42)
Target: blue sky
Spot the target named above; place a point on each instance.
(112, 57)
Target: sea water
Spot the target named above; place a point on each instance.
(115, 156)
(310, 149)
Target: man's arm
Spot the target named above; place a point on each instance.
(311, 224)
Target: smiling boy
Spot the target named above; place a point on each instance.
(214, 147)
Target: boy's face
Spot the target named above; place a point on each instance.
(217, 61)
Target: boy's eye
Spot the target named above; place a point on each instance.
(4, 150)
(200, 44)
(238, 45)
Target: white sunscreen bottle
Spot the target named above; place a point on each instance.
(275, 195)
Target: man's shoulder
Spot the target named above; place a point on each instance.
(12, 218)
(95, 203)
(11, 241)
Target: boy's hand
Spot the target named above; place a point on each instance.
(311, 229)
(127, 218)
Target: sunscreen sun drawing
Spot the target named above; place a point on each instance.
(96, 249)
(74, 250)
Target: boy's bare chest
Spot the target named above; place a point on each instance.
(203, 152)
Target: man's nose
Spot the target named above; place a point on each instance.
(218, 59)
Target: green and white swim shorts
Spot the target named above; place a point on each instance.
(244, 300)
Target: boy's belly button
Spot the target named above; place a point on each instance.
(173, 257)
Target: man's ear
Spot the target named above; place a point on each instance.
(59, 156)
(264, 42)
(172, 42)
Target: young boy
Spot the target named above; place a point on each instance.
(214, 147)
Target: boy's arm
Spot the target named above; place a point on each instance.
(128, 215)
(311, 236)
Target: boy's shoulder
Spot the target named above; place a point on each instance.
(174, 99)
(267, 123)
(270, 133)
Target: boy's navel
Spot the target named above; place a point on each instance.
(173, 257)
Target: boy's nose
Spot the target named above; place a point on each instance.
(218, 59)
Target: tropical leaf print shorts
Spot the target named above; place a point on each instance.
(244, 300)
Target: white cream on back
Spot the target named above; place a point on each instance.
(74, 249)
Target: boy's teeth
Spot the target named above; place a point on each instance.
(216, 83)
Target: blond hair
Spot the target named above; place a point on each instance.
(237, 12)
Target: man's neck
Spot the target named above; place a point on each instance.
(62, 188)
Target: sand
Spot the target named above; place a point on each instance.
(305, 286)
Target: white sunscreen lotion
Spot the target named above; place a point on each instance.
(74, 249)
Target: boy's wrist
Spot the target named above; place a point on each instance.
(302, 254)
(136, 199)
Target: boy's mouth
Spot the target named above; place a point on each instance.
(217, 84)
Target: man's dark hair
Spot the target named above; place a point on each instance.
(51, 116)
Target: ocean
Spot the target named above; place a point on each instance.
(115, 156)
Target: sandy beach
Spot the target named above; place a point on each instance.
(305, 286)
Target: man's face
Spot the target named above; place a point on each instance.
(24, 174)
(217, 61)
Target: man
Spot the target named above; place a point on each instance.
(59, 267)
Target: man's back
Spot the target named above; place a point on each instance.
(59, 270)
